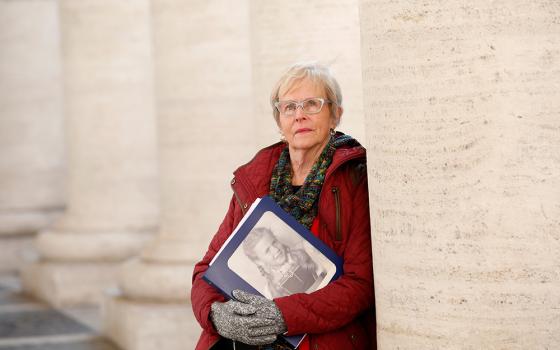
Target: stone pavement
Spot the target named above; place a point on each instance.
(27, 324)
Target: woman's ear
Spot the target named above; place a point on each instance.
(338, 115)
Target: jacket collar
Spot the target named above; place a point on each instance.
(254, 177)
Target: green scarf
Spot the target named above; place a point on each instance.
(303, 204)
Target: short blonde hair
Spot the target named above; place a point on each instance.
(318, 74)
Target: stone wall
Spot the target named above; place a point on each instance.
(463, 132)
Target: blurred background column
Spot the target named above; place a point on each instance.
(284, 32)
(111, 147)
(205, 131)
(463, 128)
(31, 126)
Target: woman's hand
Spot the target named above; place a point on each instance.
(264, 308)
(238, 321)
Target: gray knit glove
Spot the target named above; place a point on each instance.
(237, 321)
(265, 308)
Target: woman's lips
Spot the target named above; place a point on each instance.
(303, 130)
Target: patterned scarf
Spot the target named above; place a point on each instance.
(303, 204)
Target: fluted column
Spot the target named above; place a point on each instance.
(204, 124)
(31, 126)
(463, 128)
(284, 32)
(111, 147)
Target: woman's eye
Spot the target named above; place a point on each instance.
(290, 107)
(312, 103)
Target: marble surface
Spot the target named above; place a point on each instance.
(96, 344)
(38, 323)
(28, 324)
(9, 297)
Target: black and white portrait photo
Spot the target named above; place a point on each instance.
(277, 261)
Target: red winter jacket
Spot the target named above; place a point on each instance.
(340, 315)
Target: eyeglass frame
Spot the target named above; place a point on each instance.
(300, 104)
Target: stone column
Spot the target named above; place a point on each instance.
(110, 125)
(284, 32)
(463, 133)
(204, 122)
(31, 126)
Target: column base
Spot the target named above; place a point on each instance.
(16, 251)
(148, 280)
(79, 246)
(144, 325)
(68, 284)
(27, 221)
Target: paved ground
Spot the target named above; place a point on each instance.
(26, 324)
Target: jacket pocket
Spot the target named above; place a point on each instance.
(338, 218)
(353, 336)
(241, 204)
(358, 336)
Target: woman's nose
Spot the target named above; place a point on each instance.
(299, 114)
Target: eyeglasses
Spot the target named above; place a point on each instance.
(308, 106)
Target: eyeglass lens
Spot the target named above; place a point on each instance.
(310, 106)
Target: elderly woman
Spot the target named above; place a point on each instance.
(318, 176)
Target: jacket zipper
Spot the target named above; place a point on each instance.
(335, 191)
(338, 234)
(241, 205)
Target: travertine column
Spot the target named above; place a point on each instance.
(204, 121)
(110, 126)
(31, 141)
(463, 127)
(284, 32)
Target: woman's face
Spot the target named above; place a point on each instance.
(305, 132)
